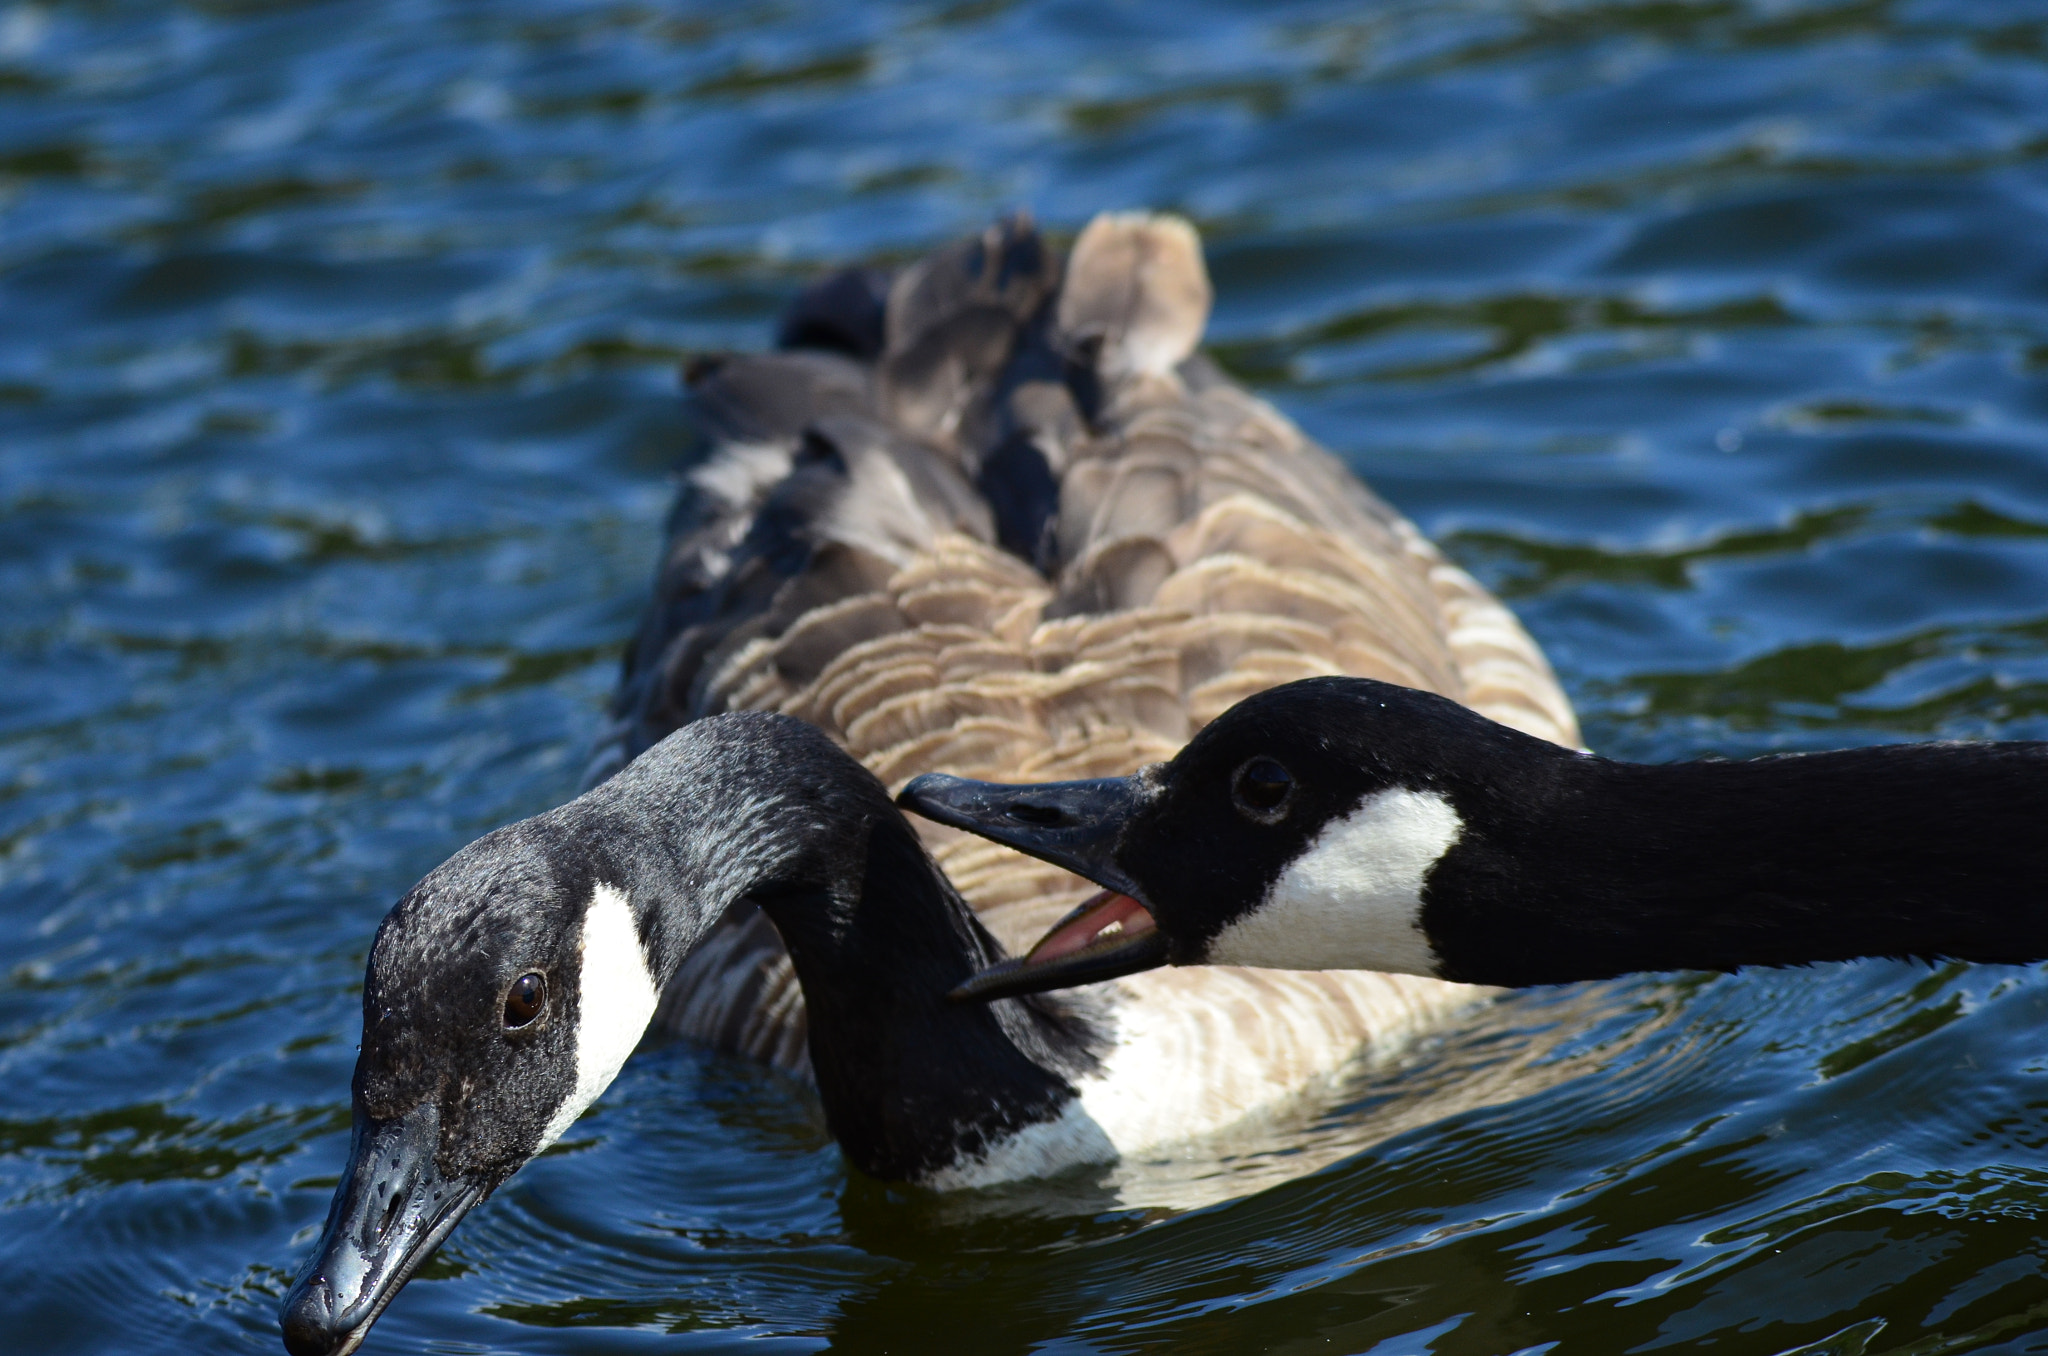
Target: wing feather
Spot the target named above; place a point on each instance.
(1006, 523)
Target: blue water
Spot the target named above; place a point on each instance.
(337, 419)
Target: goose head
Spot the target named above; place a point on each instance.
(1296, 831)
(502, 995)
(1341, 823)
(505, 991)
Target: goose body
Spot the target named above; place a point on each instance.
(1341, 821)
(1007, 523)
(992, 515)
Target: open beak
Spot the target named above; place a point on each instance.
(1073, 825)
(1111, 935)
(390, 1212)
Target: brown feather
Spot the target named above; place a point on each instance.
(843, 566)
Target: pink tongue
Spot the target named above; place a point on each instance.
(1089, 922)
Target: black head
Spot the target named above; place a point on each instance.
(1243, 822)
(506, 989)
(472, 996)
(473, 1058)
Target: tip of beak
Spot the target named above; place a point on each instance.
(311, 1325)
(928, 795)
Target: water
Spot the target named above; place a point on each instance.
(337, 400)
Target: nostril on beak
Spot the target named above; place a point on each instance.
(391, 1213)
(1045, 816)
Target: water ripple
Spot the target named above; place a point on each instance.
(339, 398)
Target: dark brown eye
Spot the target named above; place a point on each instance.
(523, 1001)
(1262, 787)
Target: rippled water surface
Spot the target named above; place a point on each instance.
(337, 414)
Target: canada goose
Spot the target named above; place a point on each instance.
(980, 517)
(1348, 822)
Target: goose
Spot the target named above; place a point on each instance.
(992, 514)
(1350, 822)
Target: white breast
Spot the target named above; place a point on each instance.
(1207, 1048)
(1353, 898)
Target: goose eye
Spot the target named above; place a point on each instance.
(1261, 788)
(523, 1001)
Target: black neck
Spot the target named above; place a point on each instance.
(910, 1080)
(756, 807)
(1600, 868)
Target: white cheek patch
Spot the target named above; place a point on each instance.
(1353, 899)
(616, 998)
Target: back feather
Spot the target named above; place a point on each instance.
(987, 520)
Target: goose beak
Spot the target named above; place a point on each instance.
(390, 1212)
(1111, 935)
(1073, 825)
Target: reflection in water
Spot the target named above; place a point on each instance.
(337, 392)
